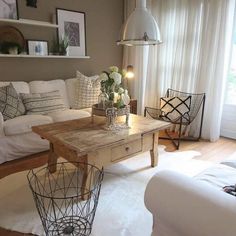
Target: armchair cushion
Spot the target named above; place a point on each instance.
(173, 108)
(10, 103)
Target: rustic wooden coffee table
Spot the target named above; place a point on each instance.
(85, 141)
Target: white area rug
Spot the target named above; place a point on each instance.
(121, 210)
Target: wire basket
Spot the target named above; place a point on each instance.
(67, 199)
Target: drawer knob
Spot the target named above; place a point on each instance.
(127, 149)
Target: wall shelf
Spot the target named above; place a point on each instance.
(29, 22)
(40, 24)
(45, 57)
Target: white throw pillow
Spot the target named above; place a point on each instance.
(174, 107)
(87, 91)
(43, 103)
(38, 86)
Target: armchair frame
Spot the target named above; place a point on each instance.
(197, 105)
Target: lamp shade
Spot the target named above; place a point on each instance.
(140, 28)
(130, 72)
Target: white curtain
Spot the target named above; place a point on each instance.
(196, 35)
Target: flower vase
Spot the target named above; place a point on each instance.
(110, 104)
(125, 98)
(103, 99)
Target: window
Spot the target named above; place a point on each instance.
(231, 85)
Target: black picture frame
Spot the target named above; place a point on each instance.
(74, 50)
(34, 53)
(11, 15)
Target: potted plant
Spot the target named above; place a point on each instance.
(63, 45)
(10, 48)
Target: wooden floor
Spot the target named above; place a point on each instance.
(215, 152)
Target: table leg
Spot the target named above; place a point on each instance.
(88, 178)
(154, 151)
(52, 160)
(86, 183)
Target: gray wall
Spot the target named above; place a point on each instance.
(103, 22)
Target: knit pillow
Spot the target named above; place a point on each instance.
(10, 103)
(43, 103)
(87, 91)
(174, 107)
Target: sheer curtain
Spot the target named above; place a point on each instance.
(194, 55)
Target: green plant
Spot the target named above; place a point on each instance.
(63, 45)
(5, 46)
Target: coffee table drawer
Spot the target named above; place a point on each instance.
(127, 149)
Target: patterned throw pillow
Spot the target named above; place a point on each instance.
(174, 107)
(43, 103)
(87, 91)
(10, 103)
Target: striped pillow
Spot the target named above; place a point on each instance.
(43, 103)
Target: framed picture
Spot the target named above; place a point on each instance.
(37, 47)
(72, 27)
(9, 9)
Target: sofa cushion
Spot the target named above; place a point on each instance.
(10, 103)
(71, 90)
(43, 103)
(231, 161)
(89, 110)
(218, 176)
(50, 86)
(23, 124)
(87, 91)
(69, 114)
(1, 125)
(20, 87)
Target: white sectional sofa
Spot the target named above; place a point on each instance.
(193, 206)
(16, 137)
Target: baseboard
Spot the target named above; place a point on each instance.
(228, 134)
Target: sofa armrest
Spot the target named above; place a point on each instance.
(189, 206)
(1, 125)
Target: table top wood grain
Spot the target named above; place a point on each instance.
(82, 135)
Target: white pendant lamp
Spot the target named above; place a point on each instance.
(140, 28)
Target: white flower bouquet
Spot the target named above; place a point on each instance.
(111, 84)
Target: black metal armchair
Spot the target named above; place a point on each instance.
(196, 104)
